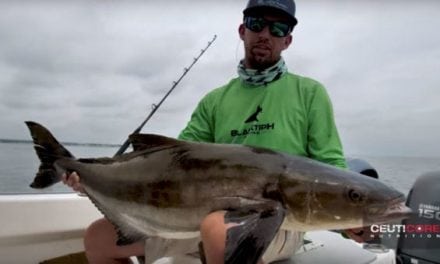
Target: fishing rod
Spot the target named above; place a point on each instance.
(125, 145)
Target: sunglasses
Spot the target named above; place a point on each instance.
(276, 28)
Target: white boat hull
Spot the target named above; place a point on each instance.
(35, 228)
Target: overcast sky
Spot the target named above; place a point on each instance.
(90, 70)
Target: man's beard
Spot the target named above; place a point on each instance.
(260, 62)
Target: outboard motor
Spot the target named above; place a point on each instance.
(362, 167)
(419, 243)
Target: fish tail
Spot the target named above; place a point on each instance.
(48, 150)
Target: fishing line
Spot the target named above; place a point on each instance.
(237, 59)
(154, 107)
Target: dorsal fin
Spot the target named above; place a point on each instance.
(146, 141)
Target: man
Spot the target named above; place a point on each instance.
(265, 106)
(269, 107)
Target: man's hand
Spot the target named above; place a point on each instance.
(73, 181)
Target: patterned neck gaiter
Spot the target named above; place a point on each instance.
(262, 77)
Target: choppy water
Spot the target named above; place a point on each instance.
(18, 164)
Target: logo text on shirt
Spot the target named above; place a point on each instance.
(253, 130)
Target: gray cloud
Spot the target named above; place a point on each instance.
(90, 70)
(379, 62)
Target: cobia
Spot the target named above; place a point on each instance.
(165, 187)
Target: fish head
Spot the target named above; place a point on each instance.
(332, 198)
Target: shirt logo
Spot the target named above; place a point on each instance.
(253, 117)
(255, 128)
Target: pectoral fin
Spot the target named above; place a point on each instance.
(256, 227)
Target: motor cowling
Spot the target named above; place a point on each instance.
(363, 167)
(420, 241)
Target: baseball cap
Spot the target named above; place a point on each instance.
(284, 6)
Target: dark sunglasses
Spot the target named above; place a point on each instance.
(276, 28)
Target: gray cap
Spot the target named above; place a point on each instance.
(285, 6)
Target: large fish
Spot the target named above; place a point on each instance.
(165, 187)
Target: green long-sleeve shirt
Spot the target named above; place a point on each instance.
(292, 114)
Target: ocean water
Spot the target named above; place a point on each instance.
(402, 172)
(18, 165)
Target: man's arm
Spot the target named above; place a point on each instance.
(323, 139)
(201, 125)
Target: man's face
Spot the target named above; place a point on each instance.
(262, 49)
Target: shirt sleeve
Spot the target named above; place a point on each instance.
(323, 139)
(201, 125)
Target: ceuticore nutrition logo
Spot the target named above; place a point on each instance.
(424, 225)
(407, 231)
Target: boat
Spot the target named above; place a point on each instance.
(38, 228)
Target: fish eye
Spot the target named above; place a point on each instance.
(355, 196)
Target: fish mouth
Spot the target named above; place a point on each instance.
(393, 210)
